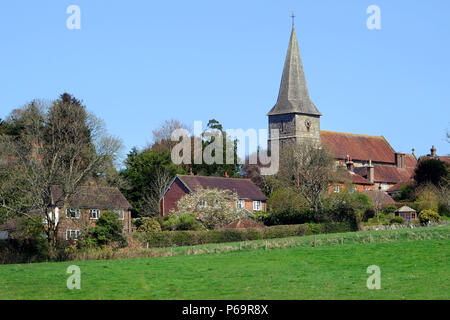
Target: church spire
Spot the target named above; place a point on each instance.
(293, 96)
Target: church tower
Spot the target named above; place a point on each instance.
(294, 114)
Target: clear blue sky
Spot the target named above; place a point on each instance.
(137, 63)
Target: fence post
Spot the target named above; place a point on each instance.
(315, 241)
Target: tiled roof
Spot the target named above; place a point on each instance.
(357, 179)
(244, 188)
(358, 147)
(445, 159)
(397, 187)
(405, 209)
(387, 174)
(379, 196)
(93, 197)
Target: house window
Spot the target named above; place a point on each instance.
(384, 186)
(73, 213)
(257, 205)
(353, 189)
(94, 213)
(337, 189)
(202, 204)
(120, 213)
(72, 234)
(241, 204)
(367, 188)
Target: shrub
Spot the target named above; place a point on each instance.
(287, 200)
(182, 222)
(397, 220)
(429, 215)
(287, 217)
(427, 199)
(149, 225)
(108, 229)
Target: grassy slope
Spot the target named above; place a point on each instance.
(409, 270)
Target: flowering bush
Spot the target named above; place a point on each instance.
(429, 215)
(213, 208)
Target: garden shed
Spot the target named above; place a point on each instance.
(406, 213)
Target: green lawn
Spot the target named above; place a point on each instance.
(413, 269)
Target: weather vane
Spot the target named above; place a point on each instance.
(293, 17)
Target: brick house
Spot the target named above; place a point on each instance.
(86, 206)
(250, 196)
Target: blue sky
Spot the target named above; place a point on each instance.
(137, 63)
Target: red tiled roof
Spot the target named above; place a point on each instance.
(379, 196)
(398, 186)
(358, 147)
(410, 161)
(388, 174)
(244, 188)
(93, 197)
(445, 159)
(357, 179)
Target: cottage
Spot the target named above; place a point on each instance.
(406, 213)
(86, 206)
(250, 196)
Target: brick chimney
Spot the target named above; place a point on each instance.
(433, 151)
(370, 172)
(400, 160)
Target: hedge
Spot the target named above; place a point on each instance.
(191, 238)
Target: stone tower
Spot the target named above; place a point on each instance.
(294, 114)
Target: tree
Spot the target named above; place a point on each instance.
(309, 170)
(108, 229)
(214, 208)
(162, 135)
(58, 144)
(148, 174)
(213, 131)
(432, 171)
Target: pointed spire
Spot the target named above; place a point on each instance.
(293, 96)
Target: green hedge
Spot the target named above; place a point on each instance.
(191, 238)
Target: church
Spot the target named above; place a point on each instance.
(371, 162)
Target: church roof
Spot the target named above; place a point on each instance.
(293, 96)
(358, 146)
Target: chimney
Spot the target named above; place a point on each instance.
(400, 160)
(433, 151)
(350, 165)
(371, 172)
(226, 174)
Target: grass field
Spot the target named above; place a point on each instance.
(411, 268)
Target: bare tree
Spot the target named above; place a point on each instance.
(159, 184)
(162, 135)
(61, 144)
(309, 169)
